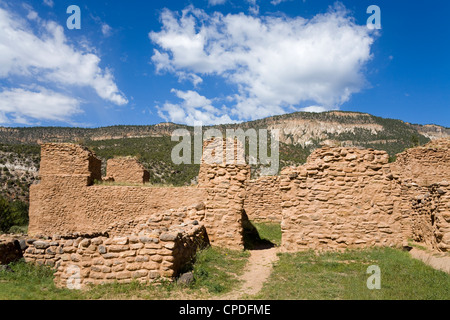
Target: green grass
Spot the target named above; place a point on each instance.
(260, 235)
(303, 275)
(215, 272)
(217, 269)
(269, 231)
(306, 275)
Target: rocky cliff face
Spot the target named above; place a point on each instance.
(432, 131)
(308, 132)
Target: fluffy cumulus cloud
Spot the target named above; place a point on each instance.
(21, 104)
(193, 109)
(46, 57)
(273, 63)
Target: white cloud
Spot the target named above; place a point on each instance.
(277, 2)
(106, 30)
(314, 109)
(216, 2)
(49, 3)
(19, 105)
(193, 108)
(49, 58)
(192, 77)
(273, 63)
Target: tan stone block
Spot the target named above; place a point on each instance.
(133, 266)
(140, 273)
(128, 254)
(150, 265)
(118, 268)
(147, 252)
(123, 275)
(118, 248)
(156, 258)
(143, 258)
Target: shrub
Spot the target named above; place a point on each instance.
(12, 213)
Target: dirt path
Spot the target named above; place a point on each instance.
(437, 262)
(256, 272)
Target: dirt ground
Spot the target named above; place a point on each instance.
(256, 272)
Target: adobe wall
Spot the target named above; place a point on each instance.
(352, 198)
(263, 199)
(341, 198)
(126, 169)
(66, 159)
(66, 202)
(62, 207)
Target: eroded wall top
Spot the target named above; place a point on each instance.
(126, 169)
(425, 165)
(65, 159)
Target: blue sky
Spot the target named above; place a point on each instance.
(218, 61)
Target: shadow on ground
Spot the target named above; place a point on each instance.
(252, 239)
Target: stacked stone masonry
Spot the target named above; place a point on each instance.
(146, 255)
(341, 198)
(224, 179)
(353, 198)
(263, 199)
(430, 218)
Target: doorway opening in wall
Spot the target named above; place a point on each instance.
(260, 235)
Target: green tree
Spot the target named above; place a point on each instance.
(19, 213)
(5, 215)
(415, 141)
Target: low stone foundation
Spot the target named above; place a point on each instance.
(10, 250)
(99, 259)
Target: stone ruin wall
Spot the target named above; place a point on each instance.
(66, 202)
(430, 217)
(341, 198)
(352, 198)
(84, 220)
(126, 170)
(145, 255)
(225, 181)
(263, 199)
(224, 204)
(424, 165)
(425, 177)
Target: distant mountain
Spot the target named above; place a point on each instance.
(300, 128)
(300, 134)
